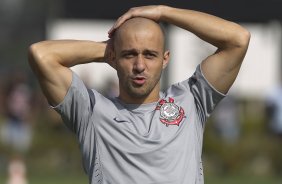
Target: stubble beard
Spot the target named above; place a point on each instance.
(142, 91)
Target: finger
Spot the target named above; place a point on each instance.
(114, 26)
(110, 33)
(119, 22)
(123, 19)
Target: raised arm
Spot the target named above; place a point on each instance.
(50, 61)
(221, 68)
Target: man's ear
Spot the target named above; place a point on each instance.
(166, 58)
(112, 60)
(110, 54)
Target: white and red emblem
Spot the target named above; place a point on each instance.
(170, 113)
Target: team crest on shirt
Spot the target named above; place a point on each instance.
(170, 113)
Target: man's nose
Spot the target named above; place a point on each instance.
(139, 64)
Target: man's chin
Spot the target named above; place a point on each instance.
(138, 92)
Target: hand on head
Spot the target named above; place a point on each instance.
(150, 12)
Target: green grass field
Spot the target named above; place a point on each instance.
(81, 179)
(53, 179)
(242, 180)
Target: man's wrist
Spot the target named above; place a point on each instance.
(98, 51)
(163, 9)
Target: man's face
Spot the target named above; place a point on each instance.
(139, 61)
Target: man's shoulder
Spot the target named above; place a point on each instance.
(178, 88)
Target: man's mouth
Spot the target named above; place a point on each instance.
(139, 80)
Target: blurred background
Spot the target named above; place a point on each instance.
(243, 137)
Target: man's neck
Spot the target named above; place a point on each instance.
(139, 100)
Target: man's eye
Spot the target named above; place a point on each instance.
(128, 56)
(150, 55)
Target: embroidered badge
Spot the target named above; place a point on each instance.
(170, 113)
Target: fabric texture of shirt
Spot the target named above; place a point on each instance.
(155, 143)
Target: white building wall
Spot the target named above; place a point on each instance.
(259, 72)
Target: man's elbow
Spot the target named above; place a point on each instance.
(39, 57)
(33, 56)
(243, 38)
(238, 38)
(39, 53)
(35, 52)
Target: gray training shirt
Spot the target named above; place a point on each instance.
(155, 143)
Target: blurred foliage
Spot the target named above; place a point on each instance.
(256, 152)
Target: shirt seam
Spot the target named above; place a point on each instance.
(210, 85)
(98, 152)
(66, 95)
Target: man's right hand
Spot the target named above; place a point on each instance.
(152, 12)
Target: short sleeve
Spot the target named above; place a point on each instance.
(77, 106)
(205, 95)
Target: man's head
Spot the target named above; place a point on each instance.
(139, 24)
(139, 58)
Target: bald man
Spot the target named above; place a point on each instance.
(144, 135)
